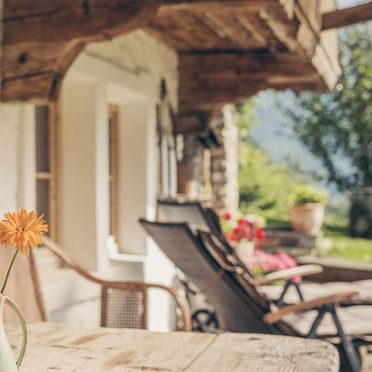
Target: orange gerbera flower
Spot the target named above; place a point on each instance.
(22, 230)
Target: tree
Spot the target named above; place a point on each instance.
(264, 186)
(337, 127)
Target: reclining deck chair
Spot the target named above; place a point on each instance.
(123, 303)
(241, 308)
(199, 217)
(194, 213)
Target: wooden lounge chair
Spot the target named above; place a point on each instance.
(194, 213)
(242, 308)
(123, 303)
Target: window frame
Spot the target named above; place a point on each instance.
(51, 174)
(113, 176)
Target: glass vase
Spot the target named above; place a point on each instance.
(8, 362)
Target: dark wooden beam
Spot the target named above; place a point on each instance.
(348, 16)
(217, 78)
(42, 38)
(170, 6)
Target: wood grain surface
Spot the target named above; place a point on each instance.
(56, 347)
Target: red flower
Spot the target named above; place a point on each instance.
(226, 215)
(248, 234)
(259, 233)
(232, 237)
(243, 222)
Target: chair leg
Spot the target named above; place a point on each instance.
(204, 320)
(317, 321)
(280, 301)
(299, 292)
(347, 345)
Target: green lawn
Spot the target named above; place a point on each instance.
(346, 247)
(335, 241)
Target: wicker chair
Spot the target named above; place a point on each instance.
(242, 308)
(123, 304)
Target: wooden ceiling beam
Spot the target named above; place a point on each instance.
(42, 38)
(171, 6)
(348, 16)
(254, 28)
(217, 78)
(285, 32)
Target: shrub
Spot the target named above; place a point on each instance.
(307, 194)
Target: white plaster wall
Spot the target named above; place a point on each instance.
(141, 55)
(133, 176)
(126, 72)
(16, 164)
(78, 171)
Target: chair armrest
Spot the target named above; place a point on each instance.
(178, 297)
(303, 270)
(181, 301)
(277, 315)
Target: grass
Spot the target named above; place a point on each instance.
(335, 241)
(346, 247)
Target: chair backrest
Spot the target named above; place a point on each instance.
(237, 310)
(23, 285)
(197, 216)
(192, 212)
(123, 304)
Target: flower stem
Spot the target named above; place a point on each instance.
(9, 270)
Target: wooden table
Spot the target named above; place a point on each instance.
(56, 347)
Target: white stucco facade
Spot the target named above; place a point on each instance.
(125, 72)
(16, 167)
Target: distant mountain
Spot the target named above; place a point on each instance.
(276, 137)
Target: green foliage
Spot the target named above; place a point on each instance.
(246, 120)
(337, 127)
(303, 194)
(264, 186)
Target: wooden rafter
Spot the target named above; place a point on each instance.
(252, 39)
(287, 35)
(348, 16)
(217, 78)
(42, 38)
(170, 6)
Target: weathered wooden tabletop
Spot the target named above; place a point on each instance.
(56, 347)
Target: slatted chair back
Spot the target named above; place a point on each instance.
(237, 311)
(23, 285)
(196, 215)
(192, 212)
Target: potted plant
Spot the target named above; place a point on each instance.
(245, 235)
(242, 232)
(307, 212)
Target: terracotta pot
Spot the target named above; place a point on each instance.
(307, 218)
